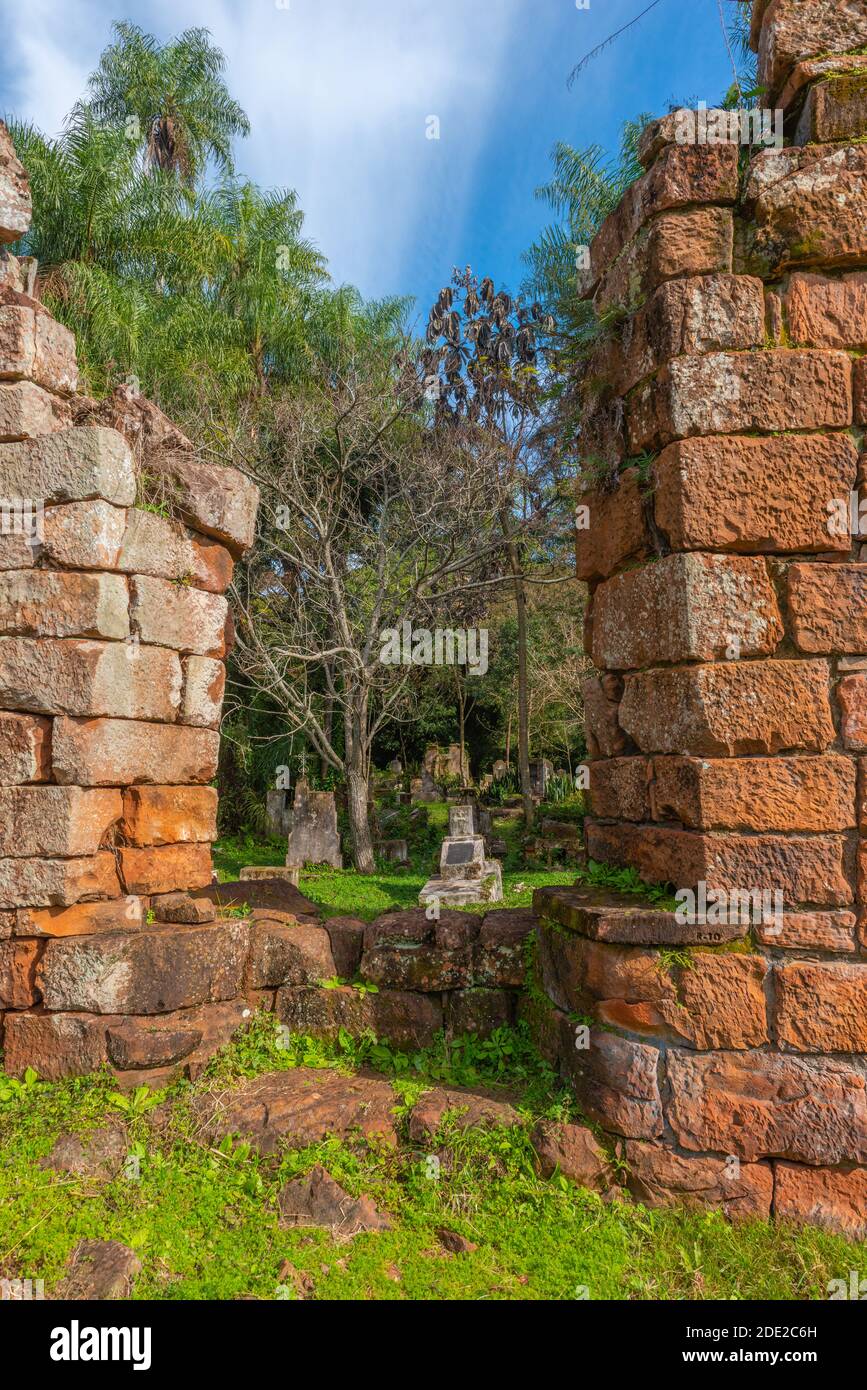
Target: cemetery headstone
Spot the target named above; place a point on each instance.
(314, 838)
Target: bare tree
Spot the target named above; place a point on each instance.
(371, 524)
(484, 358)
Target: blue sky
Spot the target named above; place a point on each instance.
(340, 93)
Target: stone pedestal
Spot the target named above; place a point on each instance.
(466, 874)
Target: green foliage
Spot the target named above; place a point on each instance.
(621, 880)
(204, 1220)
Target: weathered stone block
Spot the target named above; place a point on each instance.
(605, 738)
(791, 30)
(617, 1084)
(84, 535)
(659, 1177)
(685, 608)
(683, 175)
(163, 868)
(810, 207)
(204, 686)
(695, 241)
(804, 870)
(708, 313)
(163, 1039)
(612, 529)
(821, 1006)
(172, 615)
(158, 546)
(723, 393)
(55, 821)
(478, 1012)
(153, 971)
(18, 974)
(828, 607)
(761, 1105)
(810, 931)
(70, 466)
(25, 748)
(27, 411)
(500, 947)
(89, 678)
(826, 312)
(219, 502)
(754, 494)
(35, 346)
(57, 882)
(405, 1020)
(46, 603)
(618, 788)
(834, 1199)
(15, 205)
(169, 815)
(730, 709)
(346, 935)
(289, 955)
(84, 919)
(601, 915)
(55, 1045)
(754, 793)
(420, 966)
(117, 752)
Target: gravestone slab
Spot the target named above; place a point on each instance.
(314, 838)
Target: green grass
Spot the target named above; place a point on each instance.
(347, 893)
(204, 1222)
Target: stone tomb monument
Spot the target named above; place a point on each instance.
(314, 838)
(466, 874)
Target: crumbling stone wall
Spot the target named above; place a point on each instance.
(113, 632)
(728, 620)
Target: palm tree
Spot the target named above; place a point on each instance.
(170, 98)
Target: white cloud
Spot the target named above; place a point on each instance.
(338, 92)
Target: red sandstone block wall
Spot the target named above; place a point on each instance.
(725, 459)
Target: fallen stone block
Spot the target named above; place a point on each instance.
(299, 1107)
(462, 1108)
(574, 1152)
(99, 1270)
(317, 1200)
